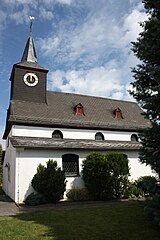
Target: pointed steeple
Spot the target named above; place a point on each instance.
(29, 54)
(29, 58)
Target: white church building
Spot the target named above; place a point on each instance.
(65, 127)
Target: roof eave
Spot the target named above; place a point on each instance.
(44, 143)
(40, 123)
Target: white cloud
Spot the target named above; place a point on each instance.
(65, 1)
(49, 45)
(102, 81)
(46, 14)
(20, 10)
(59, 1)
(99, 36)
(19, 2)
(131, 26)
(96, 54)
(83, 46)
(12, 5)
(21, 16)
(92, 38)
(34, 3)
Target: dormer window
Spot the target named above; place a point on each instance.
(118, 113)
(57, 134)
(79, 110)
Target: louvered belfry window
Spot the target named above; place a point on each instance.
(70, 164)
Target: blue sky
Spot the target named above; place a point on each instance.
(85, 44)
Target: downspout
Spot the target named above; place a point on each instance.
(18, 179)
(19, 150)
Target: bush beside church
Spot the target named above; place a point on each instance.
(105, 177)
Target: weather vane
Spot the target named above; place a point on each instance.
(31, 22)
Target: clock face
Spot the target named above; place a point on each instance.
(30, 79)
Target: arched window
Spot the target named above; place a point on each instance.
(134, 138)
(99, 136)
(57, 134)
(70, 164)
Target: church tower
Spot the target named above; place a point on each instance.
(28, 78)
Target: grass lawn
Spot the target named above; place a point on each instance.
(122, 221)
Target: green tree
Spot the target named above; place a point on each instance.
(50, 181)
(146, 87)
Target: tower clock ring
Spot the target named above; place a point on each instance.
(30, 79)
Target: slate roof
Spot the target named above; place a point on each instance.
(49, 143)
(59, 112)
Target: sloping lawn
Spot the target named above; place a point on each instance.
(122, 221)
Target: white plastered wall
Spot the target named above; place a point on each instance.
(28, 160)
(9, 166)
(29, 131)
(137, 169)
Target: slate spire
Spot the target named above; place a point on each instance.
(29, 54)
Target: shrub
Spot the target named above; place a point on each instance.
(131, 190)
(105, 176)
(146, 185)
(97, 177)
(50, 181)
(78, 194)
(118, 164)
(34, 199)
